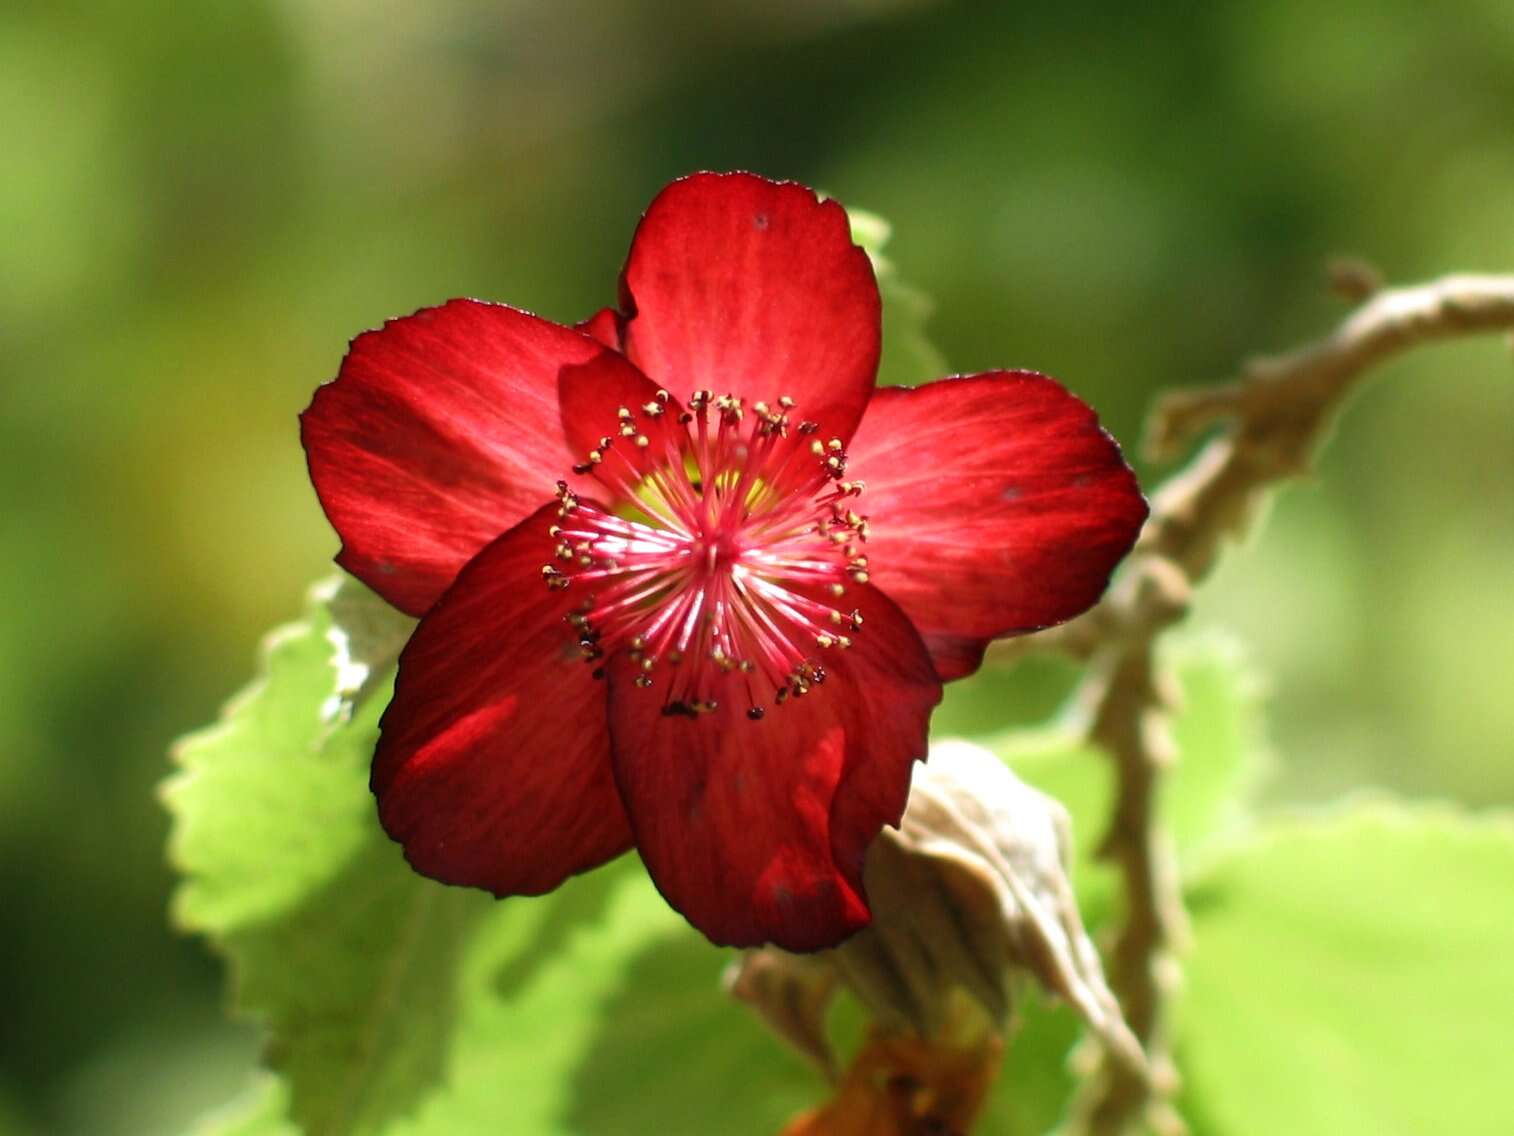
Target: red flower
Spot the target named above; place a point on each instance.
(720, 641)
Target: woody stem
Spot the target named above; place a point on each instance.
(1273, 418)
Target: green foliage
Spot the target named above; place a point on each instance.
(603, 1014)
(398, 1006)
(262, 1111)
(1350, 974)
(1036, 1080)
(202, 202)
(346, 954)
(1217, 730)
(1216, 727)
(1341, 964)
(909, 357)
(1222, 751)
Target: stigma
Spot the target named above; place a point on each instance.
(719, 560)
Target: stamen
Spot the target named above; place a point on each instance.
(720, 556)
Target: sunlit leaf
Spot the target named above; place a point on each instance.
(263, 1111)
(909, 357)
(395, 1005)
(1221, 745)
(347, 955)
(1216, 727)
(596, 1010)
(1351, 974)
(1036, 1082)
(1217, 730)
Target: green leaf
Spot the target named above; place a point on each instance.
(346, 954)
(909, 358)
(1035, 1083)
(601, 1012)
(1217, 729)
(396, 1005)
(262, 1111)
(1351, 974)
(1221, 744)
(262, 816)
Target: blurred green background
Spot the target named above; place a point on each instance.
(200, 204)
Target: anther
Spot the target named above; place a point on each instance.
(729, 485)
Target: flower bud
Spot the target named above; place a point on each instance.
(972, 893)
(971, 897)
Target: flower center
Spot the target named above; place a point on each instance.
(722, 564)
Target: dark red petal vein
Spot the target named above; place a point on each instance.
(742, 285)
(493, 769)
(439, 433)
(756, 830)
(996, 505)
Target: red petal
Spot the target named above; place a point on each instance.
(996, 505)
(603, 325)
(756, 831)
(440, 432)
(493, 769)
(592, 396)
(754, 288)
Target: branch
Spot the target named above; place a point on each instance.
(1275, 413)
